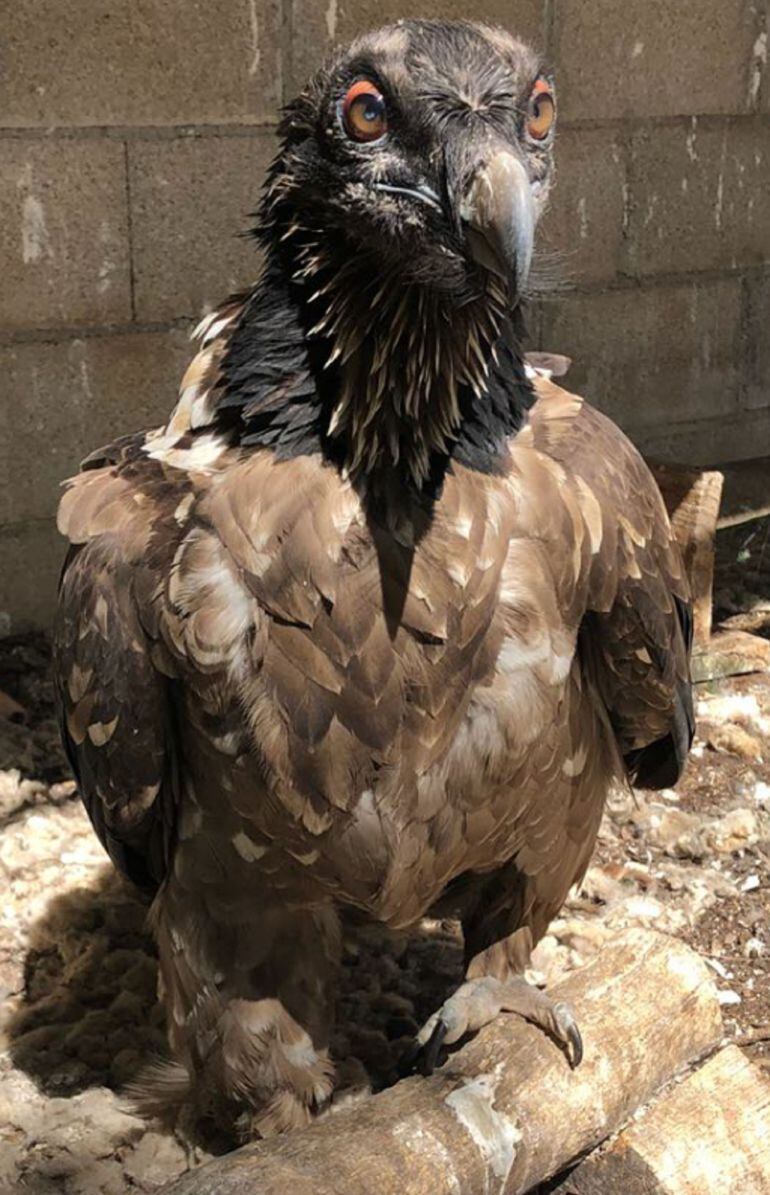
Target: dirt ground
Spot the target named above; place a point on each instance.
(78, 1017)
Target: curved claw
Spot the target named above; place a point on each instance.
(568, 1031)
(576, 1041)
(430, 1051)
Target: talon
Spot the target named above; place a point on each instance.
(568, 1031)
(576, 1041)
(432, 1046)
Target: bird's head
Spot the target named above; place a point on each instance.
(425, 148)
(398, 220)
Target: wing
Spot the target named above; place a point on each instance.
(114, 705)
(636, 635)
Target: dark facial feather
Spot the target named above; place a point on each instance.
(396, 338)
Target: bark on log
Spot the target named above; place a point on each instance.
(709, 1136)
(731, 653)
(692, 499)
(505, 1112)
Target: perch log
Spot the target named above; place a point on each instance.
(505, 1111)
(692, 498)
(709, 1136)
(731, 653)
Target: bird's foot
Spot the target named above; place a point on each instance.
(352, 1086)
(478, 1001)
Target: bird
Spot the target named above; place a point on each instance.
(380, 614)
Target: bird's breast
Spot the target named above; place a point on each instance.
(386, 707)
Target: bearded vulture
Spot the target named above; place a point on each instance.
(379, 615)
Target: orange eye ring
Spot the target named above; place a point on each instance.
(541, 112)
(364, 113)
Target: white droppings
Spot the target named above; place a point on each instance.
(35, 241)
(583, 218)
(719, 204)
(494, 1133)
(109, 266)
(728, 997)
(692, 153)
(759, 62)
(626, 195)
(85, 380)
(331, 19)
(254, 23)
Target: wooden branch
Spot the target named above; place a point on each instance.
(505, 1112)
(709, 1136)
(692, 499)
(731, 653)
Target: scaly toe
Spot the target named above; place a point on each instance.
(478, 1001)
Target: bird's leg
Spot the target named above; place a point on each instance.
(498, 944)
(479, 1000)
(248, 1000)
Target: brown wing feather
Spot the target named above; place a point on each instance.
(635, 637)
(113, 701)
(114, 714)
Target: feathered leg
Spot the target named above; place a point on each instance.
(249, 1006)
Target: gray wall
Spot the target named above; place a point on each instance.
(134, 136)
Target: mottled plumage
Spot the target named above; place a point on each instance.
(380, 614)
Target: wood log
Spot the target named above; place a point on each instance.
(692, 498)
(730, 653)
(710, 1135)
(505, 1112)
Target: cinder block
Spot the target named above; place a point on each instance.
(64, 399)
(708, 442)
(63, 233)
(120, 62)
(32, 557)
(583, 227)
(652, 357)
(699, 198)
(757, 334)
(652, 57)
(190, 199)
(319, 26)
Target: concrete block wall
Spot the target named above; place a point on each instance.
(133, 139)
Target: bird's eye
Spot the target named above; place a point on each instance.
(363, 112)
(542, 111)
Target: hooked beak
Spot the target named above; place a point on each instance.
(499, 216)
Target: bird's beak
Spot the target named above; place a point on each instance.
(498, 212)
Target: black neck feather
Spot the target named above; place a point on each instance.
(279, 392)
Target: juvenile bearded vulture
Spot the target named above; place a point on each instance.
(379, 615)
